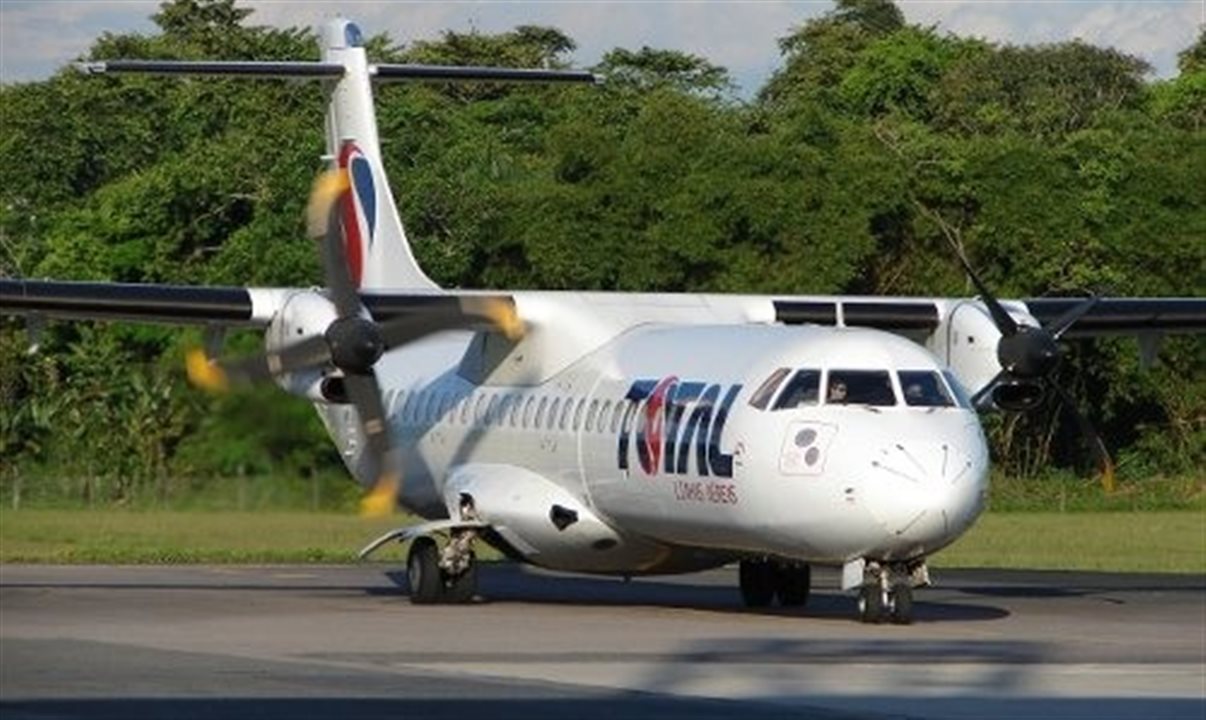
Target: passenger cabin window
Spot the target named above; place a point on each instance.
(803, 389)
(859, 387)
(540, 413)
(923, 388)
(761, 397)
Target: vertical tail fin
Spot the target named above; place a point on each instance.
(379, 255)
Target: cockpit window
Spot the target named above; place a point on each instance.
(766, 390)
(802, 389)
(961, 396)
(859, 387)
(923, 388)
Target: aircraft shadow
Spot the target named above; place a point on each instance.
(510, 583)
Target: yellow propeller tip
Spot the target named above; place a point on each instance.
(205, 373)
(327, 189)
(380, 501)
(504, 316)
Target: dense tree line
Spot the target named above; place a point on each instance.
(1059, 168)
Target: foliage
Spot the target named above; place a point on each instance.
(1059, 168)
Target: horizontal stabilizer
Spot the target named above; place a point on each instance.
(490, 74)
(233, 68)
(322, 70)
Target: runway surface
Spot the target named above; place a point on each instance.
(299, 642)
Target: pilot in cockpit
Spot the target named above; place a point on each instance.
(836, 393)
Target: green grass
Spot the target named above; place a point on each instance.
(154, 536)
(1063, 491)
(1123, 541)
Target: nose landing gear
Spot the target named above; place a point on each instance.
(887, 592)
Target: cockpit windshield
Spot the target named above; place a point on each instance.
(961, 395)
(923, 388)
(859, 387)
(766, 390)
(803, 389)
(920, 389)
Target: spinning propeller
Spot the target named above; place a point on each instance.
(354, 342)
(1029, 357)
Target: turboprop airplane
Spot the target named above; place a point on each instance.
(620, 433)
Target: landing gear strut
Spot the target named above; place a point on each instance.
(887, 592)
(763, 580)
(447, 576)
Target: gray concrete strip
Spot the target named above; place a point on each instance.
(96, 641)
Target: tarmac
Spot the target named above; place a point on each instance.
(343, 641)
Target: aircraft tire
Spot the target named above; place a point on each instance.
(462, 588)
(871, 604)
(423, 572)
(793, 584)
(902, 604)
(757, 580)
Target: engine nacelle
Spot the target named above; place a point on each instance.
(542, 521)
(1018, 395)
(967, 341)
(305, 314)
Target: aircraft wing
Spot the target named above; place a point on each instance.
(1125, 316)
(1109, 316)
(200, 305)
(176, 304)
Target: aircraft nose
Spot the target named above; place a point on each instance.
(925, 493)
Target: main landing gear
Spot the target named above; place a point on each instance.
(442, 576)
(764, 580)
(887, 592)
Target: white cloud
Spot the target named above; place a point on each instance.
(1155, 30)
(38, 37)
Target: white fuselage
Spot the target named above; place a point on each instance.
(645, 432)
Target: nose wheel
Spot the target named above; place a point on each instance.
(887, 594)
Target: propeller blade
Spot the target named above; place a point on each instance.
(365, 395)
(1060, 325)
(325, 225)
(1090, 434)
(472, 312)
(975, 399)
(1000, 317)
(499, 311)
(220, 375)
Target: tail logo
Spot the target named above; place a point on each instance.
(359, 209)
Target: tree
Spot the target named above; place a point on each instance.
(647, 69)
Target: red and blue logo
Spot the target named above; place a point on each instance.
(666, 435)
(359, 209)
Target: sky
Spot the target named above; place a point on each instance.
(37, 37)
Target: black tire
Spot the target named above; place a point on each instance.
(423, 572)
(871, 604)
(463, 588)
(792, 584)
(902, 604)
(757, 578)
